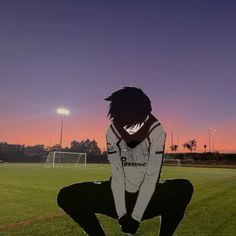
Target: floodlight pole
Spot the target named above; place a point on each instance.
(61, 140)
(172, 141)
(61, 134)
(178, 141)
(62, 112)
(209, 136)
(213, 140)
(213, 144)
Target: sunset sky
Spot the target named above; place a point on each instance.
(71, 53)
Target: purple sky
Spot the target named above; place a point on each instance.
(75, 53)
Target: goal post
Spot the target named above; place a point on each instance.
(57, 158)
(172, 162)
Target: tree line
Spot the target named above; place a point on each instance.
(190, 145)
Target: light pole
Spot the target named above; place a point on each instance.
(178, 142)
(213, 140)
(62, 112)
(209, 137)
(172, 141)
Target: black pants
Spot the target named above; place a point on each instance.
(82, 201)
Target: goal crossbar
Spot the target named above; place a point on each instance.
(172, 162)
(57, 157)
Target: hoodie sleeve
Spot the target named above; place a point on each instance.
(157, 143)
(117, 180)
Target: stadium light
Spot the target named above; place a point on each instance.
(62, 112)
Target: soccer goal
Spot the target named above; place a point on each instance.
(57, 158)
(172, 162)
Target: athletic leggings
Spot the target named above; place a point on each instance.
(81, 201)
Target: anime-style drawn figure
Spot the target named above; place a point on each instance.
(135, 148)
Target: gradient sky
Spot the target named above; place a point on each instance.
(75, 53)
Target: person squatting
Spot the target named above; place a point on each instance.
(134, 193)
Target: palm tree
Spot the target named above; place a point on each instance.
(174, 147)
(191, 145)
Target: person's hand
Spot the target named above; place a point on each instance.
(128, 224)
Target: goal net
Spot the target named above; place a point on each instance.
(57, 158)
(172, 162)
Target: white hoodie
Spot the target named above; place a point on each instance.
(135, 169)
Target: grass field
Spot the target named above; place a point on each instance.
(28, 196)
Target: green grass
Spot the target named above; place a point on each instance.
(29, 191)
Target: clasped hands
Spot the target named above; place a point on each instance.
(128, 224)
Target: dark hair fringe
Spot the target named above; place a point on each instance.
(128, 106)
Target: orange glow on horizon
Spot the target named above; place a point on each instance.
(32, 134)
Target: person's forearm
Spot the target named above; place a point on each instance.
(117, 181)
(118, 190)
(157, 141)
(145, 193)
(148, 186)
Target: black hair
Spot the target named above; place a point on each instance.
(128, 106)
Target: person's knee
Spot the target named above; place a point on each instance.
(62, 197)
(72, 197)
(187, 188)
